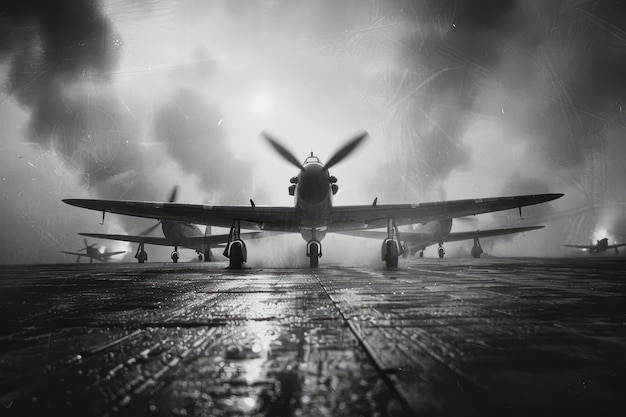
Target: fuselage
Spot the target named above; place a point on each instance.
(313, 199)
(178, 232)
(435, 231)
(601, 246)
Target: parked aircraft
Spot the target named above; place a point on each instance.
(600, 246)
(438, 232)
(313, 214)
(93, 252)
(176, 234)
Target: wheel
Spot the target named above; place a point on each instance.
(236, 254)
(441, 252)
(142, 257)
(476, 251)
(175, 257)
(391, 254)
(314, 257)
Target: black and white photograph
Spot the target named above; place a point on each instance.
(312, 207)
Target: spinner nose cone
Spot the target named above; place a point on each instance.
(313, 184)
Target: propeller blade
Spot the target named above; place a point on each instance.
(173, 194)
(284, 152)
(87, 246)
(346, 150)
(150, 229)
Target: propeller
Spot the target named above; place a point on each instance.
(284, 152)
(87, 246)
(344, 151)
(172, 198)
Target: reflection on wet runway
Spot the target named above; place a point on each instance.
(434, 337)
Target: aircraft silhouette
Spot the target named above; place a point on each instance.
(176, 234)
(313, 214)
(601, 246)
(92, 252)
(438, 232)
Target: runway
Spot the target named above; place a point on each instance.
(466, 337)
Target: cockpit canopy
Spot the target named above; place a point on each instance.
(312, 160)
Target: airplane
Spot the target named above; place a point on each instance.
(600, 246)
(177, 234)
(438, 232)
(313, 214)
(92, 252)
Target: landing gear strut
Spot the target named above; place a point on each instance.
(477, 250)
(141, 255)
(174, 255)
(441, 251)
(236, 249)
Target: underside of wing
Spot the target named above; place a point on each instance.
(476, 234)
(258, 217)
(427, 239)
(190, 242)
(375, 216)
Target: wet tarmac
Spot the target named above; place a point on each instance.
(466, 337)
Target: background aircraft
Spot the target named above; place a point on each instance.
(438, 232)
(93, 252)
(313, 214)
(176, 234)
(600, 246)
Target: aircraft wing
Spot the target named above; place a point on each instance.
(375, 216)
(427, 239)
(617, 245)
(161, 241)
(77, 254)
(457, 236)
(286, 218)
(584, 247)
(109, 254)
(271, 218)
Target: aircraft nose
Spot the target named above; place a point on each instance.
(313, 184)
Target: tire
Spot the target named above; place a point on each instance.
(391, 255)
(314, 255)
(236, 255)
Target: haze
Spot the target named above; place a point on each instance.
(125, 99)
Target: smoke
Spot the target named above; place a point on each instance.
(461, 99)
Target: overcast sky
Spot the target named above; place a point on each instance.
(462, 99)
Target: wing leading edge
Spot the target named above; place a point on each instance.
(191, 242)
(286, 218)
(427, 239)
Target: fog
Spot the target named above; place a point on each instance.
(125, 99)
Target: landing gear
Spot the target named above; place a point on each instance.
(314, 252)
(207, 255)
(236, 249)
(141, 255)
(390, 251)
(477, 250)
(237, 254)
(421, 254)
(174, 255)
(441, 251)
